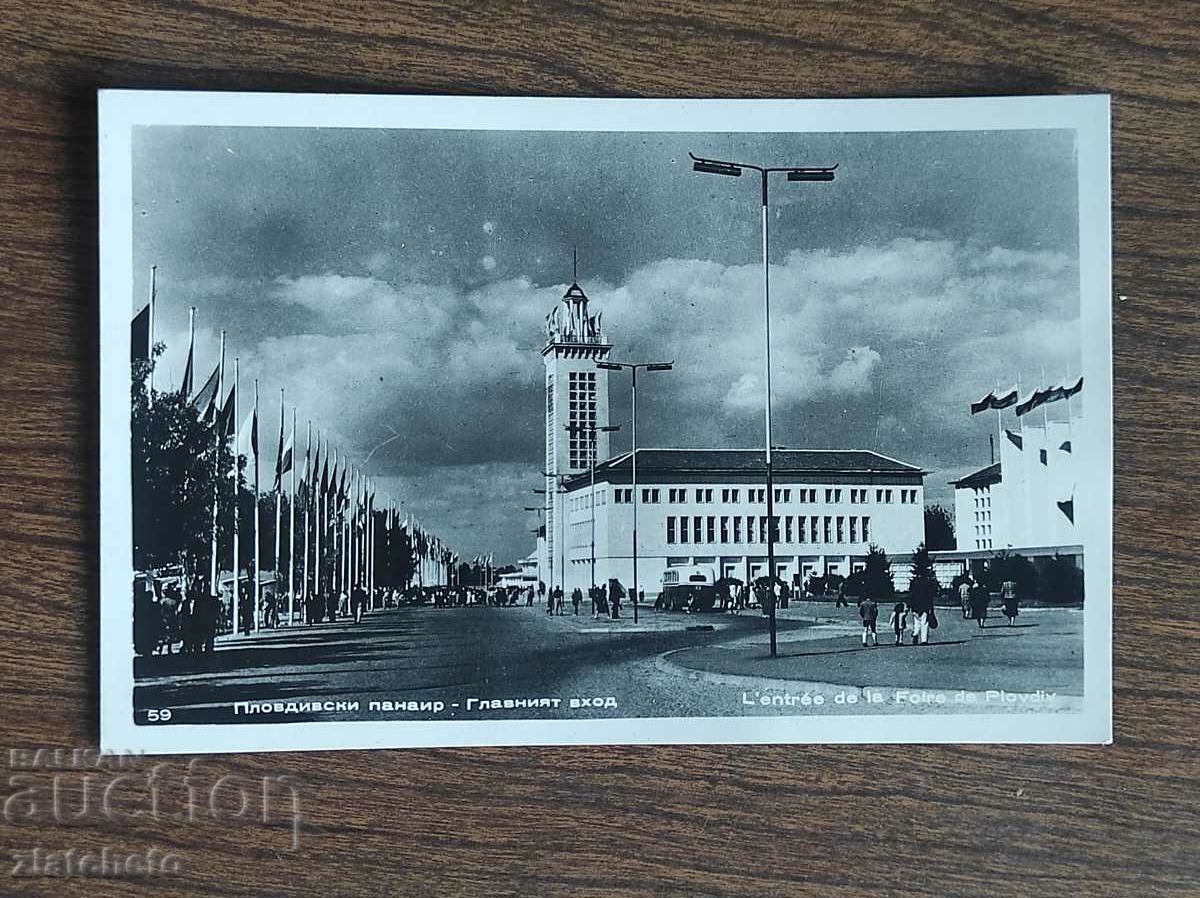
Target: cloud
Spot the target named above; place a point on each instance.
(881, 346)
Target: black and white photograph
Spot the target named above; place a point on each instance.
(449, 421)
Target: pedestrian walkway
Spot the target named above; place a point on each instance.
(1043, 651)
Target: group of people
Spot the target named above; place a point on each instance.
(975, 600)
(919, 615)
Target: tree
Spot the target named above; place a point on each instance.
(178, 465)
(1060, 582)
(939, 528)
(1015, 567)
(877, 575)
(923, 586)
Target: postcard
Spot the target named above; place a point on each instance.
(495, 421)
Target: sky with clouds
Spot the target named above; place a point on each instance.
(395, 284)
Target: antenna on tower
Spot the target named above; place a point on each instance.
(575, 264)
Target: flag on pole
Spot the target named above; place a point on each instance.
(225, 416)
(185, 389)
(1067, 507)
(248, 435)
(995, 400)
(205, 399)
(983, 404)
(1005, 398)
(283, 457)
(139, 336)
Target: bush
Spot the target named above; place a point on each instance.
(1060, 581)
(923, 586)
(1015, 567)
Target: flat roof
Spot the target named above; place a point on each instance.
(742, 462)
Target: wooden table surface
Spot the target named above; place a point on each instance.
(746, 821)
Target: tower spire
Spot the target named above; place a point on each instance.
(574, 264)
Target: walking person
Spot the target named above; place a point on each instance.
(869, 612)
(921, 607)
(559, 601)
(897, 621)
(979, 604)
(616, 592)
(964, 595)
(1008, 595)
(576, 597)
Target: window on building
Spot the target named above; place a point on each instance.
(814, 536)
(618, 495)
(828, 529)
(697, 529)
(708, 495)
(737, 528)
(866, 530)
(683, 530)
(787, 529)
(828, 496)
(699, 495)
(724, 528)
(711, 529)
(735, 495)
(762, 528)
(887, 497)
(841, 529)
(670, 529)
(853, 530)
(750, 531)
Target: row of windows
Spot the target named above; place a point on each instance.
(700, 529)
(983, 544)
(705, 495)
(983, 516)
(984, 502)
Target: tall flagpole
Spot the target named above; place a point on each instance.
(292, 529)
(355, 542)
(308, 494)
(237, 499)
(279, 495)
(150, 348)
(371, 548)
(214, 581)
(319, 513)
(335, 531)
(257, 541)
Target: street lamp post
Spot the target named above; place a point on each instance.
(794, 173)
(633, 369)
(592, 430)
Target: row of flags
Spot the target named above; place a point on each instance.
(337, 500)
(1002, 399)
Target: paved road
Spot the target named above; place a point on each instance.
(670, 665)
(451, 655)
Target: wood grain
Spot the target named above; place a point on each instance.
(787, 821)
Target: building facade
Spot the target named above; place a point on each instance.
(1026, 499)
(707, 508)
(698, 507)
(576, 405)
